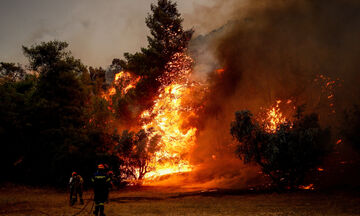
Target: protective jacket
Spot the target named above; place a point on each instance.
(76, 188)
(101, 184)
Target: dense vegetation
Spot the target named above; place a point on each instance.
(53, 117)
(285, 155)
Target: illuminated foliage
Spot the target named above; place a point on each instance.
(285, 155)
(167, 38)
(136, 150)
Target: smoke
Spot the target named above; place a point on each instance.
(274, 50)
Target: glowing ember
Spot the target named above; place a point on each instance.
(274, 118)
(320, 169)
(123, 82)
(168, 117)
(307, 187)
(328, 87)
(338, 142)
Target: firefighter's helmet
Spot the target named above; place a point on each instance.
(101, 166)
(74, 173)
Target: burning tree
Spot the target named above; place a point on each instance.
(167, 39)
(136, 150)
(286, 154)
(150, 91)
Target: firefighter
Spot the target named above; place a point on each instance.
(101, 183)
(76, 188)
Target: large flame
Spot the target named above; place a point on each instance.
(273, 117)
(169, 117)
(124, 81)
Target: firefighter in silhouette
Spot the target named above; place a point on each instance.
(101, 183)
(76, 188)
(112, 180)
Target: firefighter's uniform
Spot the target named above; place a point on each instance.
(101, 183)
(76, 188)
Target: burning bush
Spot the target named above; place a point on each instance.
(286, 154)
(136, 150)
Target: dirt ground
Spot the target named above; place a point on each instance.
(28, 201)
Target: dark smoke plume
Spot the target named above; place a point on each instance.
(276, 50)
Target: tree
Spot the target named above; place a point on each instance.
(136, 150)
(167, 38)
(10, 71)
(58, 116)
(97, 76)
(285, 155)
(15, 115)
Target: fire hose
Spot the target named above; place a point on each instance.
(81, 210)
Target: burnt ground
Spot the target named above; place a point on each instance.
(21, 200)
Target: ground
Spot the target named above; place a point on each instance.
(26, 201)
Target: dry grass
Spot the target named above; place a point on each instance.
(170, 201)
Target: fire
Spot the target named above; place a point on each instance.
(168, 117)
(307, 187)
(328, 87)
(124, 81)
(274, 117)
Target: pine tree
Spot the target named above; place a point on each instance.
(167, 38)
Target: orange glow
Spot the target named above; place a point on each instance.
(220, 71)
(307, 187)
(320, 169)
(124, 81)
(338, 142)
(273, 118)
(175, 141)
(168, 117)
(328, 87)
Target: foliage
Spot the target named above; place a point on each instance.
(286, 155)
(136, 150)
(45, 125)
(54, 120)
(97, 76)
(10, 71)
(15, 115)
(167, 38)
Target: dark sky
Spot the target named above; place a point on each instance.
(97, 30)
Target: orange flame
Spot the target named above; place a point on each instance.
(168, 117)
(307, 187)
(124, 81)
(274, 118)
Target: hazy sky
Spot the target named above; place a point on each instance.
(97, 30)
